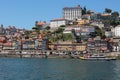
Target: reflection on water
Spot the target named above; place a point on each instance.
(58, 69)
(116, 70)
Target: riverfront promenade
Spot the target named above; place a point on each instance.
(35, 54)
(46, 54)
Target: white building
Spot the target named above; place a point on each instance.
(108, 33)
(68, 30)
(79, 29)
(58, 22)
(86, 16)
(97, 23)
(117, 31)
(72, 13)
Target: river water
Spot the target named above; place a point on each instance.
(58, 69)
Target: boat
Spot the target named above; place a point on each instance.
(96, 57)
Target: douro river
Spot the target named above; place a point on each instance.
(58, 69)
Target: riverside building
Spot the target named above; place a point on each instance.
(72, 13)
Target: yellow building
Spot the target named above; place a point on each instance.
(68, 47)
(81, 22)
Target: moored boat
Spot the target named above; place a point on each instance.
(97, 57)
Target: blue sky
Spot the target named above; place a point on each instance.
(24, 13)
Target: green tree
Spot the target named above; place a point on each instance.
(108, 10)
(47, 28)
(62, 26)
(115, 14)
(103, 37)
(59, 30)
(98, 31)
(67, 36)
(84, 10)
(88, 12)
(56, 35)
(114, 23)
(34, 28)
(75, 23)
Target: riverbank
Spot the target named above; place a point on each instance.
(39, 56)
(47, 54)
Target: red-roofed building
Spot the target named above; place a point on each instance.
(40, 25)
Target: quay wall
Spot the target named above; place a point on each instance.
(37, 56)
(34, 54)
(44, 54)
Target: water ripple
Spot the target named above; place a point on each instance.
(58, 69)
